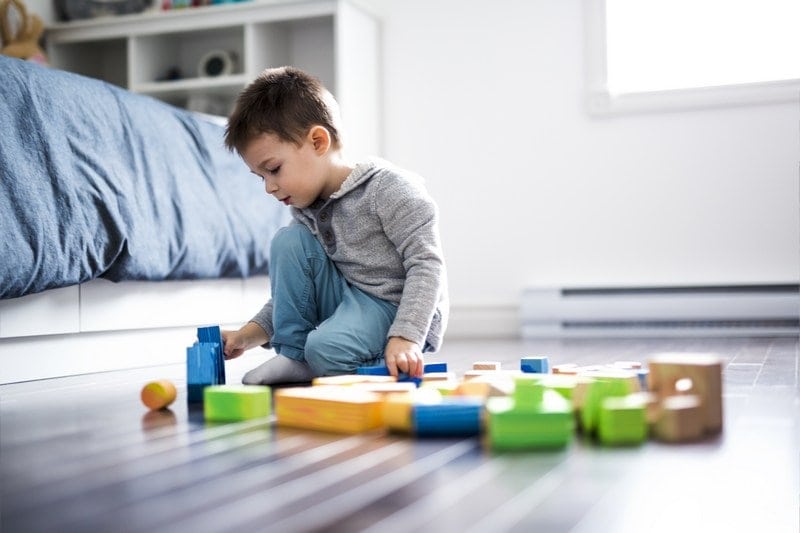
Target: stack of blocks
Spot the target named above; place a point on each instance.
(676, 399)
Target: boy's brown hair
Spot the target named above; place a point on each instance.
(286, 102)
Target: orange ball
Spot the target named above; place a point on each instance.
(158, 394)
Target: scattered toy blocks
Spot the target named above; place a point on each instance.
(535, 365)
(158, 394)
(604, 384)
(511, 426)
(228, 403)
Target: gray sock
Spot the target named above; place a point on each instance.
(279, 369)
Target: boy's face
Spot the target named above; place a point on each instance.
(295, 175)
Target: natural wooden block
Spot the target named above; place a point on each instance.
(680, 419)
(699, 374)
(228, 403)
(486, 365)
(567, 368)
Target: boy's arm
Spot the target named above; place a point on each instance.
(410, 220)
(248, 336)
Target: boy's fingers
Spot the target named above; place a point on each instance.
(391, 364)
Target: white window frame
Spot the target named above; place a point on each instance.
(600, 101)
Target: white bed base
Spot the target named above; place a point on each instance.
(100, 326)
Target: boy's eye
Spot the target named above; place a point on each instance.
(274, 171)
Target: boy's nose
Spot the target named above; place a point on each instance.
(271, 188)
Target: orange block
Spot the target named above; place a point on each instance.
(158, 394)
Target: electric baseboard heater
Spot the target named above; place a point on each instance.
(731, 310)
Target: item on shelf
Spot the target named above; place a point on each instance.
(217, 63)
(87, 9)
(20, 32)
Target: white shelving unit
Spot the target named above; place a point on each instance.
(335, 40)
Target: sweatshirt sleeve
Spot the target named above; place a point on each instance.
(410, 219)
(264, 319)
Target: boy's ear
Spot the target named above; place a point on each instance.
(320, 139)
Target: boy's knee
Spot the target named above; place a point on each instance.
(326, 357)
(290, 236)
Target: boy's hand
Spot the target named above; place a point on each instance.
(403, 355)
(237, 342)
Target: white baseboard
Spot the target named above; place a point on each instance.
(484, 322)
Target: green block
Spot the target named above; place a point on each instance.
(513, 427)
(528, 390)
(622, 421)
(229, 403)
(603, 386)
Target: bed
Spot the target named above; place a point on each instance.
(122, 218)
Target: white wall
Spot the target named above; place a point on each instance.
(485, 99)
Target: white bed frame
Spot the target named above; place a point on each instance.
(100, 326)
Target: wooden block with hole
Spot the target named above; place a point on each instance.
(673, 374)
(680, 419)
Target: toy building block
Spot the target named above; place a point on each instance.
(642, 374)
(488, 385)
(536, 418)
(201, 369)
(229, 403)
(158, 394)
(652, 405)
(605, 384)
(436, 366)
(352, 379)
(535, 365)
(445, 387)
(213, 334)
(690, 373)
(383, 389)
(680, 419)
(566, 368)
(382, 370)
(564, 384)
(397, 408)
(627, 365)
(472, 374)
(622, 421)
(451, 417)
(438, 376)
(486, 365)
(330, 408)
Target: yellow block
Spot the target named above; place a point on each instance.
(340, 409)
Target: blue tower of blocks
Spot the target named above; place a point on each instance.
(205, 364)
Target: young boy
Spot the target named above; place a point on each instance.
(358, 277)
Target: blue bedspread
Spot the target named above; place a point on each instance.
(98, 182)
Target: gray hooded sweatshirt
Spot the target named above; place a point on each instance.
(381, 229)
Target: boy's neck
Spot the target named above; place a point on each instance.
(340, 169)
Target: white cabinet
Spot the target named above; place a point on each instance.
(159, 54)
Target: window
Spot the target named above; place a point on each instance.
(667, 54)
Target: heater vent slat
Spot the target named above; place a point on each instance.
(730, 310)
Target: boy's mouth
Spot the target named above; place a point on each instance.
(287, 200)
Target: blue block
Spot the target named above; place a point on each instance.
(212, 334)
(435, 367)
(642, 374)
(201, 370)
(535, 365)
(381, 370)
(453, 417)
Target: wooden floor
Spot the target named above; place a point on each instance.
(82, 454)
